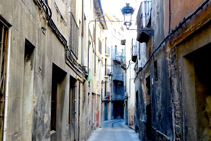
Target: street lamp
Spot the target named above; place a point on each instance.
(127, 11)
(143, 33)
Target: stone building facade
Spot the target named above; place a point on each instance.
(45, 90)
(113, 85)
(172, 93)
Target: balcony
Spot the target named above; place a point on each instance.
(106, 76)
(107, 98)
(118, 74)
(107, 51)
(134, 50)
(123, 66)
(118, 58)
(123, 42)
(107, 73)
(144, 21)
(118, 77)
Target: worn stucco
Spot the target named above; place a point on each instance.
(30, 82)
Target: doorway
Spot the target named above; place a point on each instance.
(197, 91)
(148, 109)
(118, 109)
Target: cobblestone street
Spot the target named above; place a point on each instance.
(114, 130)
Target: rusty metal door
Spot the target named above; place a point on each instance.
(3, 58)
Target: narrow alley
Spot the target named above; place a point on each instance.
(114, 130)
(105, 70)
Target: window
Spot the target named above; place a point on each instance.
(74, 34)
(105, 66)
(71, 100)
(53, 102)
(105, 89)
(156, 71)
(99, 72)
(99, 46)
(106, 45)
(136, 98)
(3, 66)
(57, 91)
(148, 85)
(28, 82)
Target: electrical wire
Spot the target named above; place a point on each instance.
(173, 31)
(43, 5)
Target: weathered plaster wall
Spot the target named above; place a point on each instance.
(177, 112)
(26, 22)
(140, 111)
(156, 95)
(161, 98)
(157, 23)
(183, 70)
(181, 9)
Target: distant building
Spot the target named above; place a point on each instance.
(113, 85)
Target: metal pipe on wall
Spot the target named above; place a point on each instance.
(7, 86)
(169, 16)
(68, 22)
(82, 36)
(89, 43)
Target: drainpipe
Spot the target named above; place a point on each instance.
(169, 16)
(89, 43)
(7, 85)
(68, 22)
(82, 36)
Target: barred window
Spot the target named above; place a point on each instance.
(74, 33)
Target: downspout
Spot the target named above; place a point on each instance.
(89, 43)
(169, 17)
(95, 51)
(82, 36)
(68, 22)
(7, 85)
(95, 36)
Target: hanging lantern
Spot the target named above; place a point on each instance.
(127, 12)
